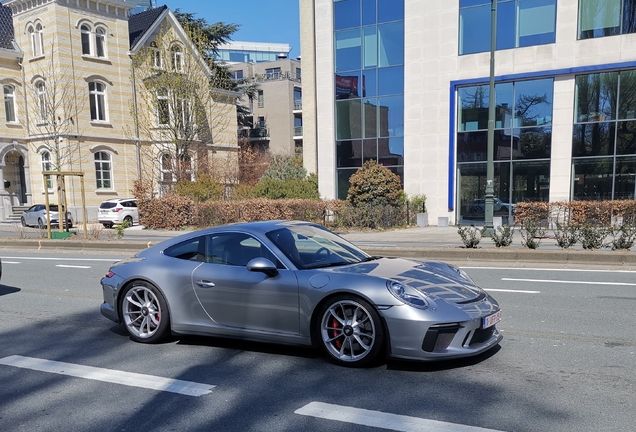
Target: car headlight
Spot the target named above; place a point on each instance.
(407, 295)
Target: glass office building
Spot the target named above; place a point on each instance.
(406, 84)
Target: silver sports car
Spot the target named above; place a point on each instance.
(298, 283)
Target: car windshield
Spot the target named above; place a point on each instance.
(309, 246)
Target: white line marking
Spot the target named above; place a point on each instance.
(512, 291)
(569, 282)
(382, 420)
(72, 266)
(64, 259)
(187, 388)
(11, 262)
(549, 269)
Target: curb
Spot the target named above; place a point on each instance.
(48, 244)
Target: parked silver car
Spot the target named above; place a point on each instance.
(299, 283)
(35, 216)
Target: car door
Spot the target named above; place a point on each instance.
(234, 296)
(28, 215)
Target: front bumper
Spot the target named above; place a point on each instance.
(110, 289)
(420, 338)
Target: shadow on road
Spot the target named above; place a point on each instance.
(4, 290)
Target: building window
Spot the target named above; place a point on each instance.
(100, 42)
(369, 86)
(163, 107)
(37, 40)
(9, 103)
(156, 55)
(599, 18)
(42, 106)
(167, 168)
(97, 96)
(273, 73)
(604, 136)
(86, 40)
(103, 170)
(261, 99)
(522, 145)
(238, 74)
(47, 166)
(177, 58)
(520, 23)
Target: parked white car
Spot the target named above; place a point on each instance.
(118, 210)
(35, 216)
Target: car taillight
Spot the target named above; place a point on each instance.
(117, 209)
(110, 274)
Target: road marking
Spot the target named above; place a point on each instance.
(512, 291)
(382, 420)
(569, 282)
(549, 269)
(11, 262)
(72, 266)
(64, 259)
(187, 388)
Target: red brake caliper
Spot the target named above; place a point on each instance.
(335, 324)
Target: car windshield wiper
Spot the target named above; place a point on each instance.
(331, 264)
(371, 258)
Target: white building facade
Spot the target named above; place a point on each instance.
(405, 82)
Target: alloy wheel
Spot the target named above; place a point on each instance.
(348, 331)
(141, 312)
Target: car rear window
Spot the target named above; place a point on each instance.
(107, 205)
(52, 207)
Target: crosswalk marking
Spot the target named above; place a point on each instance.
(152, 382)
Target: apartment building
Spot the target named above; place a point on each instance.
(405, 82)
(276, 121)
(71, 100)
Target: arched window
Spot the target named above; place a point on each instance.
(37, 40)
(46, 166)
(41, 95)
(177, 58)
(86, 39)
(100, 42)
(9, 103)
(97, 97)
(103, 170)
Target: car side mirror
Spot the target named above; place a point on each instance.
(262, 265)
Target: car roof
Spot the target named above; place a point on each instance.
(115, 200)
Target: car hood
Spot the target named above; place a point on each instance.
(434, 279)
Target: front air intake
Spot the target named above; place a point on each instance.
(439, 337)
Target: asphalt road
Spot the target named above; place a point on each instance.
(566, 363)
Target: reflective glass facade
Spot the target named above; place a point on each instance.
(599, 18)
(520, 23)
(522, 145)
(369, 86)
(604, 136)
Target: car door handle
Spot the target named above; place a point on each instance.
(205, 283)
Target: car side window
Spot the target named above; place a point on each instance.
(237, 249)
(191, 250)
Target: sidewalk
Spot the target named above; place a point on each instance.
(438, 243)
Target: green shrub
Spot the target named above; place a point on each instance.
(566, 235)
(624, 237)
(502, 236)
(470, 235)
(532, 233)
(417, 203)
(203, 188)
(374, 184)
(373, 216)
(593, 237)
(284, 168)
(277, 189)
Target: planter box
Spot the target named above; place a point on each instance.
(56, 235)
(422, 219)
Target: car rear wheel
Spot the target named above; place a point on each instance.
(108, 225)
(145, 313)
(129, 219)
(351, 331)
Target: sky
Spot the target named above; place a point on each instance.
(274, 21)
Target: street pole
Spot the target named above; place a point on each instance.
(490, 169)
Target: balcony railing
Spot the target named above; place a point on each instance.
(277, 76)
(254, 133)
(298, 105)
(298, 131)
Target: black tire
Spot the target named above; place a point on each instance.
(108, 225)
(22, 221)
(40, 223)
(144, 312)
(350, 331)
(129, 219)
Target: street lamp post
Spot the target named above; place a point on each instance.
(490, 169)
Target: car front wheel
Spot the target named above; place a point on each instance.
(23, 221)
(40, 223)
(145, 313)
(351, 331)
